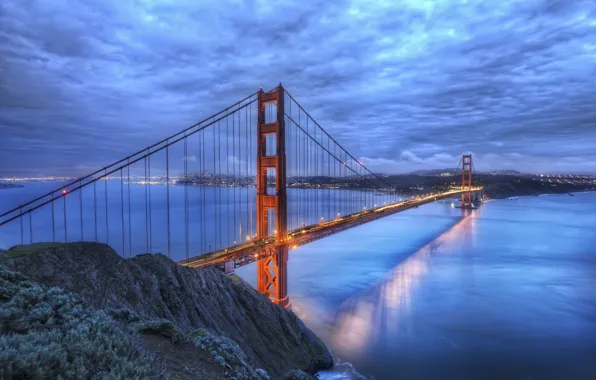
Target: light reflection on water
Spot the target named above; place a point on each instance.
(379, 312)
(506, 292)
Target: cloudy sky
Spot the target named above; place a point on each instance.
(403, 84)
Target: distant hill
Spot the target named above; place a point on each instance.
(505, 172)
(455, 171)
(436, 172)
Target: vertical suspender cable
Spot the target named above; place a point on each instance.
(129, 215)
(220, 175)
(65, 226)
(95, 206)
(122, 208)
(53, 221)
(201, 194)
(234, 173)
(204, 188)
(146, 209)
(106, 197)
(167, 197)
(150, 218)
(216, 205)
(250, 137)
(81, 209)
(22, 232)
(228, 218)
(186, 195)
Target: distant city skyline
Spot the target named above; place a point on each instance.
(404, 85)
(160, 175)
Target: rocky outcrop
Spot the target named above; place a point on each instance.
(155, 287)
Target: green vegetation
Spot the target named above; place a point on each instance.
(47, 333)
(228, 355)
(21, 250)
(298, 374)
(162, 327)
(131, 318)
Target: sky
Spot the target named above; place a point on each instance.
(403, 84)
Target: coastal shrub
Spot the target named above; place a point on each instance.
(49, 334)
(227, 354)
(163, 327)
(262, 374)
(123, 315)
(298, 374)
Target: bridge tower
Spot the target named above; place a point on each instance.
(466, 181)
(272, 270)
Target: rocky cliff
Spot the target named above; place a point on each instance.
(219, 315)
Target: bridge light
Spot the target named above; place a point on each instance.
(64, 192)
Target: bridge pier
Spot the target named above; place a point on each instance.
(229, 267)
(272, 271)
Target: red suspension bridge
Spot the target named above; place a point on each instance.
(214, 195)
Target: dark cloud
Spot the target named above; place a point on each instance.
(402, 84)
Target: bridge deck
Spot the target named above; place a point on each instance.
(251, 251)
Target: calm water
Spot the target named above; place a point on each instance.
(504, 292)
(217, 217)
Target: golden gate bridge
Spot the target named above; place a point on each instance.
(260, 177)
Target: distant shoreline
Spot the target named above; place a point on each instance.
(544, 194)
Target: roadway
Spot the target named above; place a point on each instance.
(251, 251)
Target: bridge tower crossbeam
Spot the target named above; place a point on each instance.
(273, 269)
